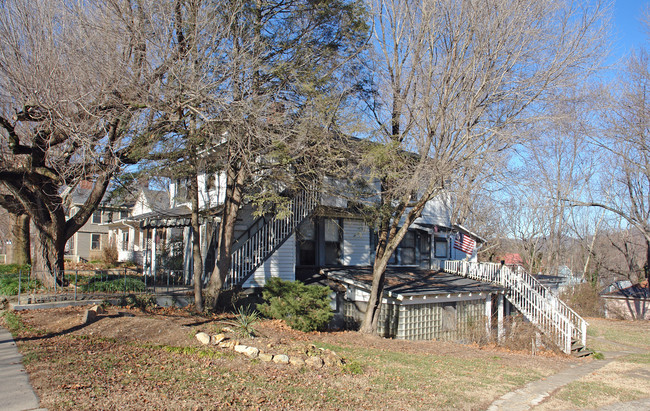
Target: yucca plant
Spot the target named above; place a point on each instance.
(245, 319)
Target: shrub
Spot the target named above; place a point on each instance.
(110, 254)
(303, 307)
(244, 322)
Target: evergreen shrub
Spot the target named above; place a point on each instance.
(302, 307)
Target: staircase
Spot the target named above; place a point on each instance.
(547, 312)
(269, 236)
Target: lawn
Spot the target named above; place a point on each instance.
(152, 361)
(625, 378)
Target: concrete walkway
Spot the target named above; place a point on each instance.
(537, 391)
(534, 393)
(16, 393)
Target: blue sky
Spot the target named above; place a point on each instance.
(628, 31)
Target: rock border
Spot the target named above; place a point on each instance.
(315, 357)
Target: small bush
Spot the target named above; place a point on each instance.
(110, 254)
(303, 307)
(244, 322)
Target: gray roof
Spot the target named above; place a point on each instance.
(407, 281)
(639, 290)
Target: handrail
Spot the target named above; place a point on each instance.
(252, 253)
(535, 301)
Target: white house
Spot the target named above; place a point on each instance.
(323, 231)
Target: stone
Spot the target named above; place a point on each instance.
(297, 361)
(89, 316)
(224, 344)
(240, 348)
(203, 338)
(217, 338)
(265, 357)
(314, 362)
(281, 359)
(330, 359)
(251, 352)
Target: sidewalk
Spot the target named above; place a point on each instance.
(16, 392)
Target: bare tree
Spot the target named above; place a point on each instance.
(78, 74)
(624, 180)
(456, 82)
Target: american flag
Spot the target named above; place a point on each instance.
(464, 243)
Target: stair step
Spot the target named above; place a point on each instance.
(581, 353)
(577, 347)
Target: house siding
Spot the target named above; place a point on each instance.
(282, 264)
(356, 243)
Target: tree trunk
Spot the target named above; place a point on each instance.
(48, 255)
(197, 259)
(646, 266)
(389, 238)
(21, 241)
(235, 177)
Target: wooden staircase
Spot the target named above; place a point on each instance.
(537, 303)
(579, 350)
(261, 243)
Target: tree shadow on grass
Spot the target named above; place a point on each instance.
(67, 331)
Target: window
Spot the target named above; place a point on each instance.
(97, 217)
(307, 243)
(95, 241)
(407, 249)
(441, 247)
(124, 214)
(181, 190)
(210, 182)
(125, 240)
(332, 230)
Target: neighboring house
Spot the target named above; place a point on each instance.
(629, 303)
(89, 241)
(132, 239)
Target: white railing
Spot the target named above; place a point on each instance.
(255, 250)
(536, 302)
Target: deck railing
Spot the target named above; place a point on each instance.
(536, 302)
(262, 243)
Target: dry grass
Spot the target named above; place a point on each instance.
(625, 379)
(124, 363)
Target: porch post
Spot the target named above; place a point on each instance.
(145, 253)
(488, 315)
(500, 331)
(153, 251)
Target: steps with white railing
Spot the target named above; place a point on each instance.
(536, 302)
(259, 245)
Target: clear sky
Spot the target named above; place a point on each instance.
(628, 31)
